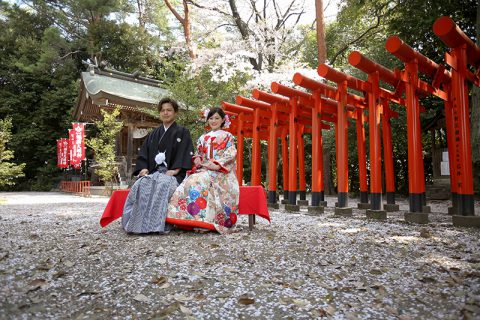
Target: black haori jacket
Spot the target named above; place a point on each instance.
(177, 145)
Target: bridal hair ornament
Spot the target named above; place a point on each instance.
(227, 122)
(205, 113)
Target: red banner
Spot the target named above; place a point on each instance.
(77, 141)
(62, 153)
(59, 153)
(71, 139)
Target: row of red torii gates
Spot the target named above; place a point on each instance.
(288, 113)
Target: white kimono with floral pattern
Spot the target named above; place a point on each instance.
(206, 195)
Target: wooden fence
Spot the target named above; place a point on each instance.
(80, 187)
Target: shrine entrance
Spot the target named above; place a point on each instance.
(136, 97)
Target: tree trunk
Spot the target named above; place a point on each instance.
(185, 22)
(322, 48)
(141, 13)
(327, 171)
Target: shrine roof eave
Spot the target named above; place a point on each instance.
(119, 91)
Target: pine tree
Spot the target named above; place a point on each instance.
(8, 170)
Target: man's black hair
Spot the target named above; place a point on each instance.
(168, 100)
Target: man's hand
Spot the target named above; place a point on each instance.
(143, 172)
(172, 172)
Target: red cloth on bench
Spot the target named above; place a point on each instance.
(252, 201)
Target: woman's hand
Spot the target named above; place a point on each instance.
(211, 166)
(197, 162)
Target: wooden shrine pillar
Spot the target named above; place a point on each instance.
(119, 144)
(129, 169)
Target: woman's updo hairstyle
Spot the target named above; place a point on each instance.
(220, 112)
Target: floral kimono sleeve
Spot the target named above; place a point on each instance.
(225, 153)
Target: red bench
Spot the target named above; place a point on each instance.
(252, 202)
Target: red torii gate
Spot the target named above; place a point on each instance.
(454, 93)
(316, 127)
(330, 107)
(294, 158)
(374, 92)
(463, 52)
(325, 104)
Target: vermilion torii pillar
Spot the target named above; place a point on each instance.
(240, 128)
(316, 126)
(293, 152)
(343, 81)
(275, 106)
(387, 114)
(450, 127)
(375, 73)
(414, 63)
(322, 106)
(274, 113)
(463, 52)
(256, 175)
(285, 164)
(362, 159)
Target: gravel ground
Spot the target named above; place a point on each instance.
(56, 262)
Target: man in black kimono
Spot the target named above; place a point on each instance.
(169, 142)
(162, 164)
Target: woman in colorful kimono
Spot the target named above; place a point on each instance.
(210, 192)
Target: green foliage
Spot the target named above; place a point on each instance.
(200, 90)
(40, 64)
(103, 145)
(38, 89)
(9, 171)
(308, 47)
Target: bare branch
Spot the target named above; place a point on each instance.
(258, 15)
(208, 8)
(379, 16)
(68, 54)
(207, 33)
(360, 37)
